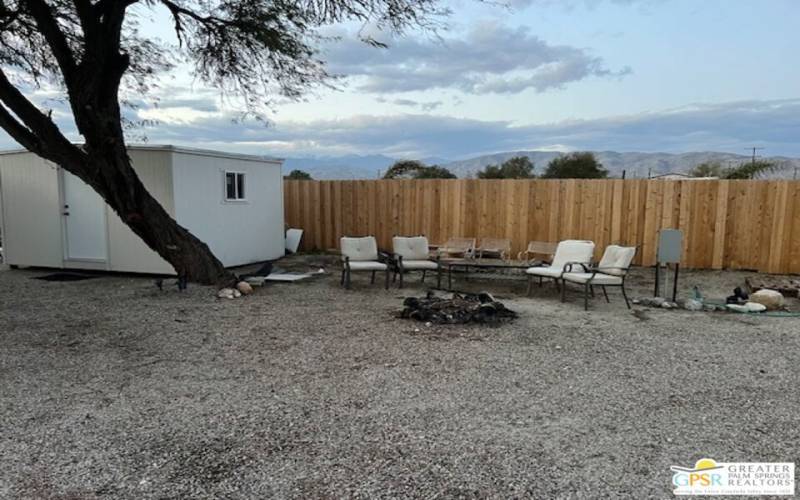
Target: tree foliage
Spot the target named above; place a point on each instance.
(581, 165)
(96, 56)
(518, 167)
(751, 170)
(298, 175)
(707, 169)
(434, 172)
(748, 170)
(414, 169)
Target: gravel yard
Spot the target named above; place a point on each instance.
(114, 389)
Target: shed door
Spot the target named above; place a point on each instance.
(84, 221)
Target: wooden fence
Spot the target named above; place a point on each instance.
(726, 224)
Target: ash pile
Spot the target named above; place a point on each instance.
(457, 308)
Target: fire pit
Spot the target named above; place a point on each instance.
(456, 309)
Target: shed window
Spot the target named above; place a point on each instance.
(234, 186)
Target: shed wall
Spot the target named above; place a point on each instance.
(127, 252)
(32, 211)
(238, 232)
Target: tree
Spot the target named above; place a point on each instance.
(748, 170)
(751, 170)
(94, 53)
(707, 169)
(413, 169)
(575, 166)
(434, 172)
(403, 169)
(298, 175)
(518, 167)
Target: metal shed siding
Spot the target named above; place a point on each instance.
(32, 211)
(126, 251)
(237, 232)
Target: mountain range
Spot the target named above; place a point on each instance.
(634, 165)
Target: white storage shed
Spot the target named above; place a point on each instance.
(50, 218)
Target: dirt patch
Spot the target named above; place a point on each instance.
(114, 389)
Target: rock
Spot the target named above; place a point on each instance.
(237, 294)
(244, 288)
(770, 299)
(709, 307)
(749, 307)
(226, 293)
(692, 305)
(658, 302)
(255, 281)
(668, 305)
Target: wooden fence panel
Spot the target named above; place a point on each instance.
(726, 224)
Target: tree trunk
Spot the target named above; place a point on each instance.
(110, 173)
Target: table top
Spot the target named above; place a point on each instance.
(483, 262)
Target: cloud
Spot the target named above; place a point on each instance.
(424, 106)
(729, 127)
(490, 58)
(719, 127)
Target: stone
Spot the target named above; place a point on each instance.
(237, 294)
(658, 301)
(709, 307)
(226, 293)
(244, 288)
(668, 305)
(770, 299)
(255, 280)
(692, 305)
(748, 307)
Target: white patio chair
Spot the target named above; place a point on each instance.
(611, 271)
(412, 254)
(567, 252)
(361, 254)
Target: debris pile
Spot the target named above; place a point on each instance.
(457, 309)
(786, 286)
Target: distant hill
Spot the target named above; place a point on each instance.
(348, 166)
(635, 165)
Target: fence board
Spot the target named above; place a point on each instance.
(726, 224)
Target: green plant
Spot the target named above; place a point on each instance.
(582, 165)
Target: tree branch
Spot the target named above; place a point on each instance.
(56, 39)
(51, 143)
(19, 132)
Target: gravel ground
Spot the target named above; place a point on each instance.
(113, 389)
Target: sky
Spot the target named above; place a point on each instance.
(623, 75)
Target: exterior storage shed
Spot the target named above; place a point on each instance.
(51, 218)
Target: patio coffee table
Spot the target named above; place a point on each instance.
(467, 264)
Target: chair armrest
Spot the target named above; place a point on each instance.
(597, 269)
(568, 266)
(385, 257)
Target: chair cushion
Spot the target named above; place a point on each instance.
(365, 248)
(361, 265)
(599, 279)
(573, 251)
(413, 248)
(547, 272)
(617, 256)
(419, 264)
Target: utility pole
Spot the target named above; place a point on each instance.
(754, 148)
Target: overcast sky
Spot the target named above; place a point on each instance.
(624, 75)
